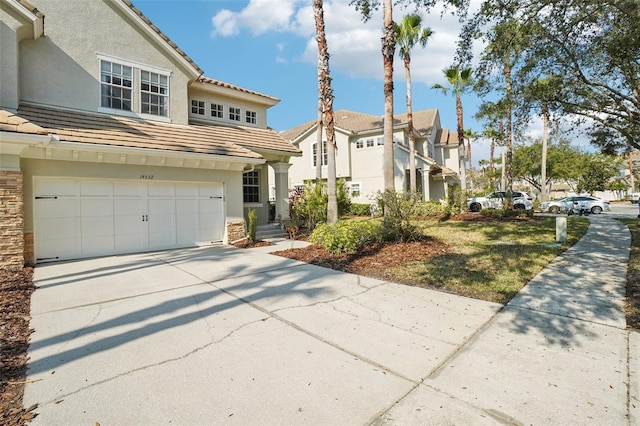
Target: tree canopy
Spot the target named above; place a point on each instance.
(591, 51)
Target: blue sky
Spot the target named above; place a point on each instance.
(269, 46)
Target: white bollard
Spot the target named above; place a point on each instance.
(561, 229)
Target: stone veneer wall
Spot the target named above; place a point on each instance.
(11, 220)
(235, 231)
(29, 253)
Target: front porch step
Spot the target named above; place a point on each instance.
(270, 230)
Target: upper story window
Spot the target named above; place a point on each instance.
(250, 117)
(197, 107)
(359, 143)
(116, 83)
(154, 90)
(234, 114)
(380, 141)
(325, 156)
(217, 111)
(129, 86)
(369, 143)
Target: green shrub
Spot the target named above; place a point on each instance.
(253, 224)
(431, 208)
(347, 236)
(456, 200)
(400, 209)
(360, 209)
(309, 206)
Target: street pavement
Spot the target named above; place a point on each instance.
(220, 335)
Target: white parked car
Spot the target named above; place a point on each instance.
(594, 204)
(495, 200)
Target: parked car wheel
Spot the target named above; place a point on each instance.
(554, 209)
(475, 207)
(596, 209)
(518, 207)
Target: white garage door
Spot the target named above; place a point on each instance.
(76, 218)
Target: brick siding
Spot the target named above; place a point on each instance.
(11, 220)
(235, 231)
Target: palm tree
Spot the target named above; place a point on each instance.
(326, 98)
(470, 135)
(460, 81)
(388, 51)
(407, 34)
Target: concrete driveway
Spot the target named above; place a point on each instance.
(226, 335)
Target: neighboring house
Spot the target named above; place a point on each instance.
(359, 154)
(112, 141)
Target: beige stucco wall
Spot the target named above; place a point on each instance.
(302, 167)
(63, 69)
(232, 180)
(10, 28)
(209, 98)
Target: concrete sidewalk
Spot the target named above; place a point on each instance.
(229, 336)
(557, 354)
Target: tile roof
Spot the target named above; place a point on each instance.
(209, 80)
(10, 122)
(82, 127)
(357, 122)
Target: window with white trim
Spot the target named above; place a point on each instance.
(369, 143)
(116, 82)
(234, 114)
(325, 156)
(250, 117)
(251, 187)
(355, 189)
(217, 111)
(129, 86)
(197, 107)
(154, 93)
(380, 141)
(359, 144)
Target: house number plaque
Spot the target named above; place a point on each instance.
(148, 177)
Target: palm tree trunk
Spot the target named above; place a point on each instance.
(545, 142)
(508, 204)
(319, 134)
(388, 51)
(461, 156)
(470, 164)
(492, 149)
(412, 139)
(326, 97)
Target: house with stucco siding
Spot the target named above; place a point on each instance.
(113, 141)
(359, 154)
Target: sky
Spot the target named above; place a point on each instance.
(269, 46)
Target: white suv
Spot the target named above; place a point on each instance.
(495, 200)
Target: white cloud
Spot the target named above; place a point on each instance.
(260, 16)
(354, 45)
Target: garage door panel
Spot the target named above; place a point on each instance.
(211, 220)
(186, 189)
(78, 219)
(96, 188)
(59, 187)
(52, 208)
(210, 189)
(129, 189)
(161, 190)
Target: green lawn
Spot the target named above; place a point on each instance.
(489, 260)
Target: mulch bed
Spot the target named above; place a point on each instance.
(247, 243)
(15, 306)
(372, 260)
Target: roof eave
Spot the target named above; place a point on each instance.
(236, 92)
(35, 17)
